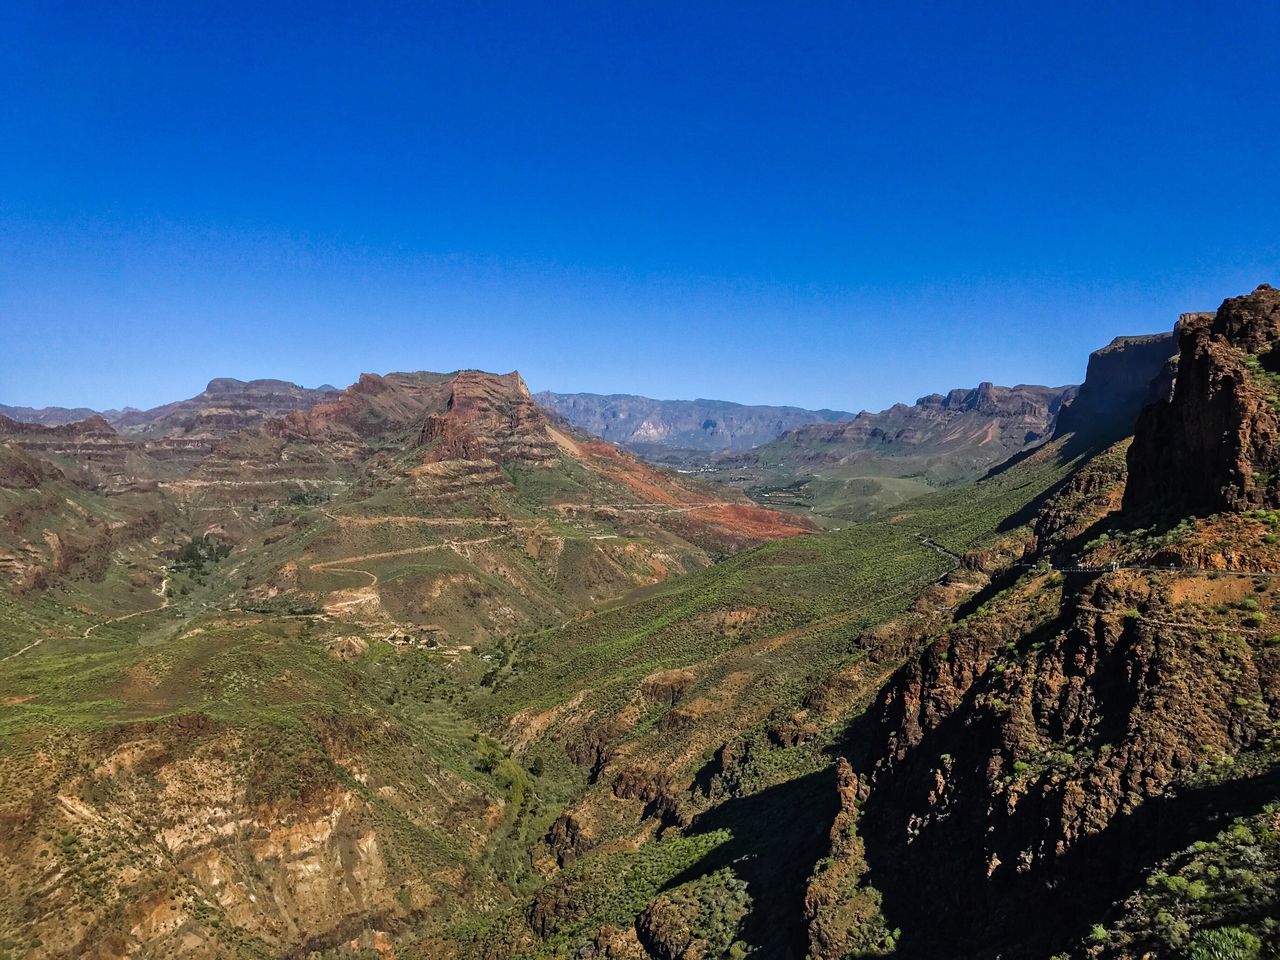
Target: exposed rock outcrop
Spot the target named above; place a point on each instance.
(490, 417)
(1123, 377)
(1215, 444)
(1017, 777)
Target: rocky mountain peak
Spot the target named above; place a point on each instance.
(95, 424)
(1251, 322)
(475, 388)
(1214, 445)
(223, 385)
(983, 398)
(489, 416)
(370, 383)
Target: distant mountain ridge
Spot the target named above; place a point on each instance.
(224, 406)
(642, 423)
(46, 416)
(849, 469)
(983, 422)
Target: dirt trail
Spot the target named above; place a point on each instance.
(357, 521)
(363, 595)
(407, 551)
(939, 549)
(368, 593)
(648, 510)
(163, 593)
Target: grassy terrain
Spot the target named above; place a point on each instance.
(460, 761)
(754, 637)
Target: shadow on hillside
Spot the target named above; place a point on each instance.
(1000, 581)
(1074, 447)
(778, 835)
(935, 887)
(1024, 516)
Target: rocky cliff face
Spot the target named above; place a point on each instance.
(373, 406)
(490, 417)
(1215, 444)
(1123, 377)
(90, 443)
(642, 424)
(1073, 730)
(225, 406)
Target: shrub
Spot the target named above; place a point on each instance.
(1225, 943)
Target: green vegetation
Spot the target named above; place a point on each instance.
(704, 915)
(458, 684)
(1218, 899)
(1261, 368)
(198, 554)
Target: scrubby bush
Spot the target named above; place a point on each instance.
(1225, 943)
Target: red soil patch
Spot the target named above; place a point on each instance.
(751, 522)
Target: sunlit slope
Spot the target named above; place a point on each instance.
(165, 757)
(706, 705)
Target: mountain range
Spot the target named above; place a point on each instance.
(848, 470)
(423, 669)
(225, 405)
(827, 464)
(649, 426)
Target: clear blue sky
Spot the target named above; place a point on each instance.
(836, 204)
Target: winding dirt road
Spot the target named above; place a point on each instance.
(163, 593)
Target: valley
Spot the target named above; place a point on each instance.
(639, 481)
(420, 669)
